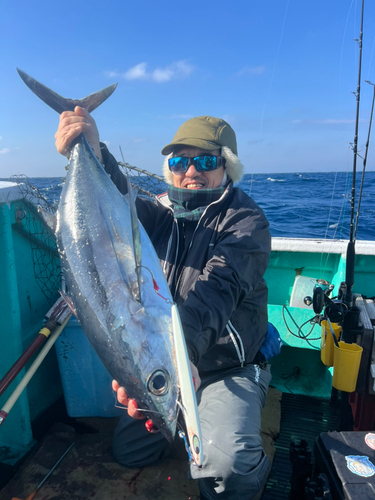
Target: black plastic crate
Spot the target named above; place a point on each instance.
(330, 451)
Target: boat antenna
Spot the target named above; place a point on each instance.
(365, 159)
(350, 254)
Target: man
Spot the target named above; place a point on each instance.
(213, 243)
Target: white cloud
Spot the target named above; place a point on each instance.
(162, 75)
(1, 138)
(112, 74)
(4, 151)
(252, 70)
(138, 72)
(175, 71)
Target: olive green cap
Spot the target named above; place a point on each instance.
(205, 132)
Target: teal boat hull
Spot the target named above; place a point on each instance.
(26, 252)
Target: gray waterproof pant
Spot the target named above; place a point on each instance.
(234, 464)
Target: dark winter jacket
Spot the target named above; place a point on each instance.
(219, 286)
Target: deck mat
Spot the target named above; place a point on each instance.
(302, 417)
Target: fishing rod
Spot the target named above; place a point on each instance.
(365, 158)
(32, 495)
(54, 318)
(8, 405)
(350, 253)
(350, 321)
(343, 310)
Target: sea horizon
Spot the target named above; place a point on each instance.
(298, 204)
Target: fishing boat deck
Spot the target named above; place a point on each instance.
(90, 471)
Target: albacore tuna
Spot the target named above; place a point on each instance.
(132, 337)
(121, 299)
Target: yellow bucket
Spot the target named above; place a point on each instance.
(347, 358)
(326, 346)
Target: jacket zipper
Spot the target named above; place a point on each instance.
(239, 348)
(169, 250)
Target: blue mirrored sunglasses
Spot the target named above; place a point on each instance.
(204, 163)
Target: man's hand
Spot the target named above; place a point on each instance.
(123, 399)
(132, 406)
(72, 124)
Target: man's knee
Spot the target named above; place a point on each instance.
(239, 477)
(133, 446)
(141, 457)
(247, 466)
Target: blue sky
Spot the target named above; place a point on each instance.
(281, 72)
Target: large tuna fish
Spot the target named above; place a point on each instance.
(121, 298)
(128, 325)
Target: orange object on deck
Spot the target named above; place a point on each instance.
(29, 497)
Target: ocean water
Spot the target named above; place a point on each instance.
(306, 205)
(313, 205)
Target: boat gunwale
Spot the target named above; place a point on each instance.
(316, 245)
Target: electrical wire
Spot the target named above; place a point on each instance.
(299, 333)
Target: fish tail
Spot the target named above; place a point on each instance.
(59, 103)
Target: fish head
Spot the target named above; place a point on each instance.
(148, 369)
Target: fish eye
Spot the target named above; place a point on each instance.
(158, 383)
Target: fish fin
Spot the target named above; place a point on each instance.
(136, 235)
(135, 190)
(187, 391)
(59, 103)
(117, 238)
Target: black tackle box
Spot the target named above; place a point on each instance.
(337, 452)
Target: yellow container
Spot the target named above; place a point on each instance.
(347, 358)
(326, 346)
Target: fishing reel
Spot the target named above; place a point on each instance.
(334, 309)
